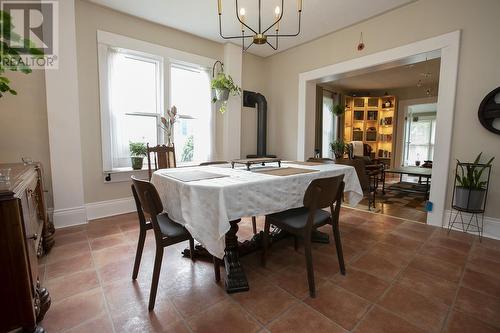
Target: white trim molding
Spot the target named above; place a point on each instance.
(63, 120)
(447, 46)
(68, 217)
(491, 226)
(97, 210)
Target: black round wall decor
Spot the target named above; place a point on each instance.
(489, 111)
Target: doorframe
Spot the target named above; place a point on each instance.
(448, 45)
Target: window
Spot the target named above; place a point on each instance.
(329, 125)
(421, 145)
(138, 82)
(134, 97)
(191, 94)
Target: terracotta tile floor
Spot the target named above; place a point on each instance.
(401, 277)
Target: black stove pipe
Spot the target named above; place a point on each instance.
(252, 99)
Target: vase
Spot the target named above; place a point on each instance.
(469, 199)
(222, 94)
(169, 140)
(137, 162)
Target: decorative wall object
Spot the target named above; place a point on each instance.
(489, 111)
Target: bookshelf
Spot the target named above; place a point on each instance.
(373, 121)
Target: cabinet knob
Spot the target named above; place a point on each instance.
(34, 237)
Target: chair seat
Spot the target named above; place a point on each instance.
(170, 228)
(297, 218)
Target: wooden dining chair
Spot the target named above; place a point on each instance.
(368, 179)
(163, 158)
(254, 219)
(166, 232)
(300, 222)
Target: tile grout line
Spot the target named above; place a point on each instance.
(106, 305)
(391, 285)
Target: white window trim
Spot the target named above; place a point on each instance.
(168, 56)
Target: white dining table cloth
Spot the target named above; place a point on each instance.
(205, 207)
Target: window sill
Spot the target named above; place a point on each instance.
(120, 175)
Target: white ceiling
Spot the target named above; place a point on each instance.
(199, 17)
(393, 78)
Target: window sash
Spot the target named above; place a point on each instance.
(167, 57)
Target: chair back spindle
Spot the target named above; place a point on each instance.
(163, 158)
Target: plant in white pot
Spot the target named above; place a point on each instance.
(471, 189)
(138, 151)
(224, 86)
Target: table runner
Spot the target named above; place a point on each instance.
(205, 207)
(284, 171)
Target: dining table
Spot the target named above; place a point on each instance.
(209, 201)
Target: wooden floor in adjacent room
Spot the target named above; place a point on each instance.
(401, 277)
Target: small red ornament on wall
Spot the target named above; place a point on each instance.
(361, 44)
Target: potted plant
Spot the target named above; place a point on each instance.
(138, 151)
(471, 189)
(337, 110)
(224, 86)
(338, 147)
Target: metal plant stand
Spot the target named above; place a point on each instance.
(467, 212)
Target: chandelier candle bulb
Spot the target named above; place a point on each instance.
(277, 12)
(219, 6)
(299, 5)
(242, 17)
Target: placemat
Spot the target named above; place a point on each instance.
(304, 163)
(192, 175)
(286, 171)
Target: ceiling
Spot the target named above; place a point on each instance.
(393, 78)
(199, 17)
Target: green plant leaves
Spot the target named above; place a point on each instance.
(138, 149)
(470, 175)
(11, 56)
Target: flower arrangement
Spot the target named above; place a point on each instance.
(167, 124)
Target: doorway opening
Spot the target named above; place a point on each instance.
(445, 47)
(396, 169)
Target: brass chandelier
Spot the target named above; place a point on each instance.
(260, 36)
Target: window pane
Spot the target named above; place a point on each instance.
(328, 126)
(133, 128)
(135, 85)
(134, 91)
(184, 140)
(420, 132)
(190, 93)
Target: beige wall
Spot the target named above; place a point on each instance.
(23, 123)
(89, 19)
(479, 71)
(254, 79)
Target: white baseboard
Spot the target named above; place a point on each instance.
(491, 225)
(69, 216)
(97, 210)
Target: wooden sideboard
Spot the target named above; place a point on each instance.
(25, 235)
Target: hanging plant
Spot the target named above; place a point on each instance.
(224, 86)
(337, 109)
(10, 55)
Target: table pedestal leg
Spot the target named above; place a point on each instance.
(236, 279)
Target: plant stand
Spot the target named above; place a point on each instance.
(467, 214)
(473, 223)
